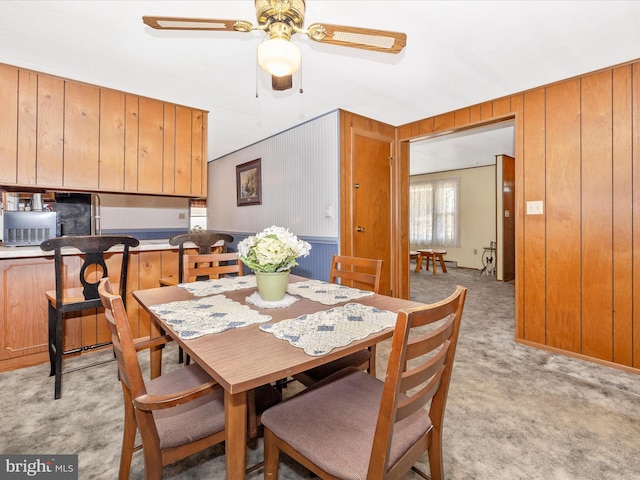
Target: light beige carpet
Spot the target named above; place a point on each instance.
(513, 412)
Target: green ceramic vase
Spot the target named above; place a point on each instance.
(272, 286)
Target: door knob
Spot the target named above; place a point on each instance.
(360, 229)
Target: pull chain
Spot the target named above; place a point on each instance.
(300, 77)
(257, 73)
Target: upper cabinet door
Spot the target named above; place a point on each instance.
(198, 142)
(9, 130)
(131, 143)
(112, 150)
(27, 126)
(169, 149)
(50, 146)
(183, 147)
(81, 136)
(150, 145)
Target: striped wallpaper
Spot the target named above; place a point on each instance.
(300, 190)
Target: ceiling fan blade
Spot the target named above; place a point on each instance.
(365, 38)
(281, 83)
(182, 23)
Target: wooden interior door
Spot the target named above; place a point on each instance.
(508, 244)
(368, 211)
(371, 194)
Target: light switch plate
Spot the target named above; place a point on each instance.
(535, 207)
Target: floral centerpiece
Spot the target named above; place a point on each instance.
(270, 254)
(275, 249)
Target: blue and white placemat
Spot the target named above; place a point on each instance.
(319, 333)
(326, 293)
(219, 285)
(202, 316)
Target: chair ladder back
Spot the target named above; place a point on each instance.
(204, 241)
(93, 247)
(413, 366)
(430, 377)
(93, 264)
(355, 269)
(425, 345)
(206, 266)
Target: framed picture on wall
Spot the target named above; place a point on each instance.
(249, 183)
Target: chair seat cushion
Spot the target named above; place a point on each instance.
(357, 359)
(334, 425)
(190, 421)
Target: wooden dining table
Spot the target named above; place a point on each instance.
(241, 359)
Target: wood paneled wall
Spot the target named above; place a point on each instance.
(61, 134)
(577, 265)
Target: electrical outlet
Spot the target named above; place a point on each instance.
(535, 207)
(181, 216)
(475, 251)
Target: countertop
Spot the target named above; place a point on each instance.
(34, 250)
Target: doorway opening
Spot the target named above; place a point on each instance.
(473, 156)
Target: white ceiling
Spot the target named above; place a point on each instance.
(458, 54)
(477, 147)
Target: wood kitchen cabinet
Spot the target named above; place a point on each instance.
(27, 126)
(24, 310)
(9, 130)
(112, 140)
(50, 139)
(67, 135)
(81, 136)
(150, 145)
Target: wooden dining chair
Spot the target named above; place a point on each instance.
(206, 242)
(80, 293)
(354, 426)
(197, 267)
(363, 273)
(177, 414)
(212, 265)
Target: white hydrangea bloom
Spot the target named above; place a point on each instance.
(275, 249)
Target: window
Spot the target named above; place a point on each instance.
(434, 213)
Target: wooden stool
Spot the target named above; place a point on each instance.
(431, 254)
(413, 255)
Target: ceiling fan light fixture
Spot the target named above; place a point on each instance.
(279, 57)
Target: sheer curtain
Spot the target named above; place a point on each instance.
(434, 213)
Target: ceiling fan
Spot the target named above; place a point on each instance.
(281, 19)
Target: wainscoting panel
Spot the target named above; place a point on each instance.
(317, 265)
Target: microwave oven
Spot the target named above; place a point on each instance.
(28, 228)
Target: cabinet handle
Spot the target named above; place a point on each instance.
(360, 229)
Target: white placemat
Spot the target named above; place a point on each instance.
(326, 293)
(220, 285)
(202, 316)
(319, 333)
